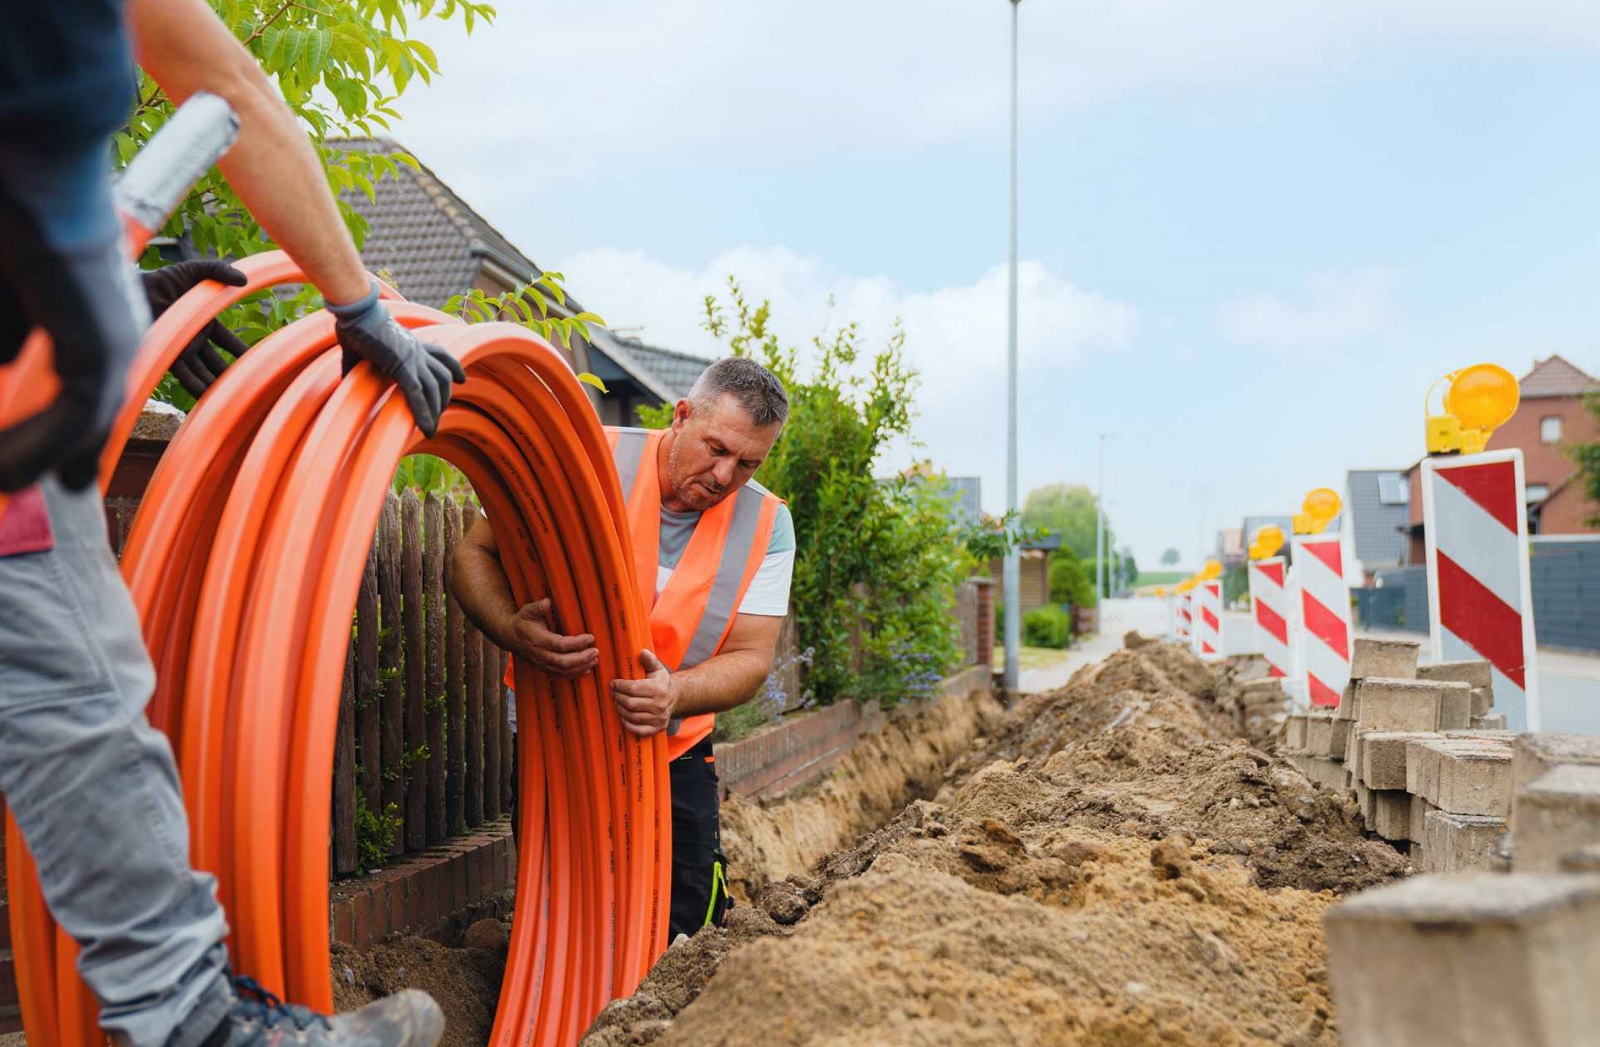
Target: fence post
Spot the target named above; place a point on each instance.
(416, 662)
(455, 689)
(345, 855)
(391, 655)
(433, 611)
(494, 715)
(368, 688)
(472, 643)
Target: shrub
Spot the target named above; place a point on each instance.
(1047, 627)
(1069, 583)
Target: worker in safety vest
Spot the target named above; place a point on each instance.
(92, 786)
(719, 551)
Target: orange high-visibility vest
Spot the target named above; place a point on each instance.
(690, 618)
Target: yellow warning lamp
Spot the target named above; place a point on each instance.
(1303, 523)
(1160, 591)
(1265, 541)
(1211, 571)
(1185, 585)
(1322, 505)
(1479, 400)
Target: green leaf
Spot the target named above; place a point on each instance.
(589, 379)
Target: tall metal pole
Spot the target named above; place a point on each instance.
(1013, 565)
(1100, 527)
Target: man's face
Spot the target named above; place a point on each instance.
(716, 450)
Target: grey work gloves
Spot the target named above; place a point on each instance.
(199, 364)
(367, 331)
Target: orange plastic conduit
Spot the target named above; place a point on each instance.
(244, 563)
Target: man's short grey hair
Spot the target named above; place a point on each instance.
(756, 389)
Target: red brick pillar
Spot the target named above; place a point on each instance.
(986, 590)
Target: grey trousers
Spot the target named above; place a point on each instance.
(94, 788)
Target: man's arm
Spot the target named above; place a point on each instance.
(729, 678)
(478, 582)
(273, 167)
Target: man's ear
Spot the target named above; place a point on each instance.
(681, 413)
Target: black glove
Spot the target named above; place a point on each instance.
(199, 364)
(368, 331)
(86, 299)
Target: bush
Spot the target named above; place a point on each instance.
(1069, 584)
(877, 562)
(1047, 627)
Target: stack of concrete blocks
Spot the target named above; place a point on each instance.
(1511, 960)
(1427, 758)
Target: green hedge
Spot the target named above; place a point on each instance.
(1046, 627)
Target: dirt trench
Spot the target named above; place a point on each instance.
(1113, 866)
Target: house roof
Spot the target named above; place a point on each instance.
(424, 235)
(665, 374)
(1556, 376)
(1374, 521)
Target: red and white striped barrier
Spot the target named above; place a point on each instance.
(1208, 620)
(1480, 604)
(1269, 606)
(1183, 617)
(1325, 612)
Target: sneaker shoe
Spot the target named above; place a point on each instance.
(409, 1018)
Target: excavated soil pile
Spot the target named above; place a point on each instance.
(905, 759)
(1111, 868)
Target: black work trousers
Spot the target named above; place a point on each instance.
(699, 868)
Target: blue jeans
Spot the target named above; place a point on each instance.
(94, 788)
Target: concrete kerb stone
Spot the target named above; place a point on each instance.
(1349, 703)
(1473, 673)
(1482, 702)
(1461, 775)
(1557, 814)
(1413, 705)
(1391, 659)
(1319, 733)
(1456, 843)
(1294, 738)
(1480, 959)
(1490, 722)
(1391, 814)
(1382, 761)
(1534, 755)
(1419, 818)
(1339, 743)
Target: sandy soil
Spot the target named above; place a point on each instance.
(1111, 868)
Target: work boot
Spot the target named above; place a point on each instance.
(409, 1018)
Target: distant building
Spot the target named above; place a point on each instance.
(1231, 548)
(1550, 418)
(1378, 504)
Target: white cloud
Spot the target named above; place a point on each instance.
(587, 89)
(1335, 308)
(955, 336)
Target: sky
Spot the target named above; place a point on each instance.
(1251, 233)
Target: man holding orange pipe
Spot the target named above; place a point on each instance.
(91, 784)
(716, 550)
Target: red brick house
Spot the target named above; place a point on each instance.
(1549, 420)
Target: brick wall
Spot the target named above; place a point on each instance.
(425, 890)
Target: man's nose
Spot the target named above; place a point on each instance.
(723, 471)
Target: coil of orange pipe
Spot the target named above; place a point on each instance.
(244, 562)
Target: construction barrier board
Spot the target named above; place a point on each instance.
(1325, 614)
(1269, 610)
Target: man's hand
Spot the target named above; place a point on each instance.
(539, 645)
(646, 705)
(199, 364)
(368, 331)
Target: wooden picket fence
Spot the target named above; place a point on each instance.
(422, 722)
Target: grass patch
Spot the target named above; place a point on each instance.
(1159, 578)
(1029, 657)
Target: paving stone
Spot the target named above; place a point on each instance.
(1418, 823)
(1391, 659)
(1474, 673)
(1490, 722)
(1455, 709)
(1557, 814)
(1339, 745)
(1461, 775)
(1509, 961)
(1584, 860)
(1382, 763)
(1534, 755)
(1391, 813)
(1349, 703)
(1295, 732)
(1319, 734)
(1328, 773)
(1461, 842)
(1482, 702)
(1410, 705)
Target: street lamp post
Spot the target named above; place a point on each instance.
(1013, 563)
